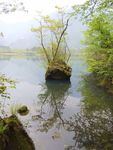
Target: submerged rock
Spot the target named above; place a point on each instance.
(58, 71)
(23, 110)
(13, 136)
(56, 135)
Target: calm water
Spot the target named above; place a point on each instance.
(63, 116)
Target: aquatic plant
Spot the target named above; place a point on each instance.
(5, 84)
(14, 108)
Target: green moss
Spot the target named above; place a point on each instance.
(60, 65)
(14, 136)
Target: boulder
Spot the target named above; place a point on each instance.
(58, 71)
(23, 110)
(13, 136)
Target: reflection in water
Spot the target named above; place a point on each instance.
(52, 99)
(93, 126)
(95, 98)
(91, 129)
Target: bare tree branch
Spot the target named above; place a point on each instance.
(59, 41)
(42, 43)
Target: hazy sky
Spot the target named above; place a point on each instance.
(45, 6)
(17, 26)
(48, 5)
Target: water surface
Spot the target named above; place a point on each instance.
(62, 114)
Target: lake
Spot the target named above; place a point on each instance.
(75, 115)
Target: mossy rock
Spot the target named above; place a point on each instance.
(23, 110)
(14, 137)
(58, 70)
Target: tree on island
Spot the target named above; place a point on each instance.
(53, 39)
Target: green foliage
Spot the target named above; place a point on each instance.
(99, 48)
(13, 135)
(97, 15)
(100, 32)
(14, 108)
(5, 83)
(92, 8)
(3, 127)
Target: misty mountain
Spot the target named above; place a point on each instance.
(19, 35)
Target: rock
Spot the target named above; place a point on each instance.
(13, 135)
(37, 117)
(23, 110)
(58, 71)
(56, 135)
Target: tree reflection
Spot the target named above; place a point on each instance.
(52, 100)
(95, 98)
(93, 126)
(92, 131)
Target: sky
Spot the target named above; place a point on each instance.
(48, 5)
(45, 6)
(16, 27)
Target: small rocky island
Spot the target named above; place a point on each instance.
(23, 110)
(54, 46)
(58, 70)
